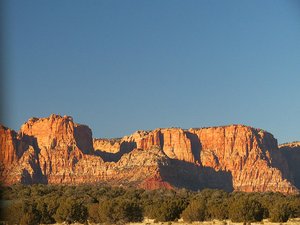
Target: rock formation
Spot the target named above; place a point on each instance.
(8, 150)
(58, 151)
(291, 152)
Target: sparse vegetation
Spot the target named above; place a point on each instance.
(48, 204)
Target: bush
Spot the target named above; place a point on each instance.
(217, 206)
(195, 211)
(130, 211)
(13, 213)
(245, 209)
(106, 211)
(268, 199)
(168, 210)
(294, 204)
(118, 211)
(29, 219)
(93, 213)
(280, 212)
(71, 211)
(46, 214)
(22, 212)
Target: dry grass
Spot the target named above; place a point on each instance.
(295, 221)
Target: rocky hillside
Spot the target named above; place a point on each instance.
(56, 150)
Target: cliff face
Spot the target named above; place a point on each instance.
(250, 155)
(291, 152)
(56, 132)
(245, 152)
(174, 142)
(57, 150)
(8, 146)
(107, 145)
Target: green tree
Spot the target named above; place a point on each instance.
(130, 211)
(245, 209)
(119, 211)
(217, 205)
(294, 204)
(23, 212)
(280, 212)
(71, 211)
(168, 210)
(195, 211)
(46, 215)
(268, 199)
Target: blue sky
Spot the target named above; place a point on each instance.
(120, 66)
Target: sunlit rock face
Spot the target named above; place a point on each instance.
(9, 149)
(57, 150)
(247, 153)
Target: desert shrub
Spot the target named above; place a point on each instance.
(45, 213)
(167, 210)
(119, 211)
(294, 204)
(28, 219)
(93, 213)
(115, 192)
(52, 202)
(133, 194)
(130, 211)
(268, 199)
(22, 191)
(245, 209)
(280, 212)
(71, 211)
(41, 190)
(13, 213)
(22, 212)
(217, 206)
(195, 211)
(106, 210)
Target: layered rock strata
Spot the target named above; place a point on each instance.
(58, 151)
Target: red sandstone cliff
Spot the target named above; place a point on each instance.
(8, 146)
(245, 152)
(107, 145)
(57, 150)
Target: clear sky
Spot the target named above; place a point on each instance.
(121, 66)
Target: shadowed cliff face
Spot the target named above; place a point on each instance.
(183, 174)
(291, 153)
(109, 154)
(56, 150)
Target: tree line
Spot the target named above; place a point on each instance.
(48, 204)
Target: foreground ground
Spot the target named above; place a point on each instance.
(294, 221)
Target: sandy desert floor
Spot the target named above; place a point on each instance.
(215, 222)
(295, 221)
